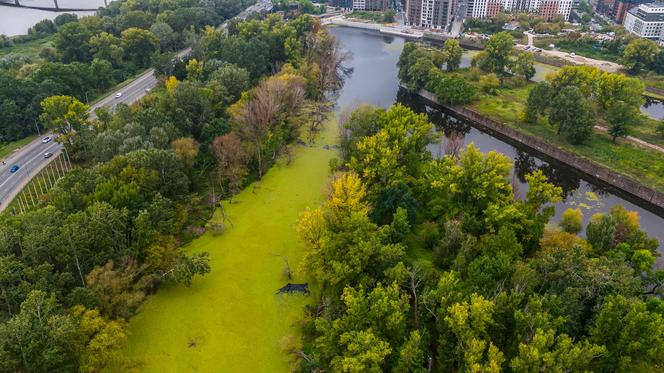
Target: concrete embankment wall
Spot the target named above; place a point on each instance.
(585, 166)
(371, 26)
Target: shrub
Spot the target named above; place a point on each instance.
(571, 221)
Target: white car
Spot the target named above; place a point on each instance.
(46, 140)
(48, 155)
(118, 95)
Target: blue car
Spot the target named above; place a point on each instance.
(14, 168)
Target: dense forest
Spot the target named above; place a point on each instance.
(94, 53)
(442, 265)
(75, 269)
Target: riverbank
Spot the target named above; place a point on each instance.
(16, 21)
(232, 320)
(387, 30)
(593, 168)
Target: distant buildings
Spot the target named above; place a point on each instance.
(546, 8)
(617, 9)
(370, 5)
(646, 21)
(436, 14)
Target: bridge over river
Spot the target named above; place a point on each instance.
(57, 5)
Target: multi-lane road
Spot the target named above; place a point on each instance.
(30, 158)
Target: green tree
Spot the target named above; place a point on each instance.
(538, 102)
(633, 336)
(234, 79)
(39, 338)
(452, 53)
(548, 352)
(168, 39)
(101, 338)
(573, 114)
(139, 45)
(371, 327)
(496, 54)
(572, 220)
(394, 153)
(617, 87)
(600, 232)
(639, 54)
(524, 65)
(468, 322)
(454, 89)
(107, 47)
(65, 115)
(341, 240)
(620, 116)
(411, 355)
(72, 44)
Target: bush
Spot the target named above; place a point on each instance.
(571, 221)
(6, 42)
(489, 84)
(428, 234)
(65, 18)
(13, 61)
(454, 90)
(43, 27)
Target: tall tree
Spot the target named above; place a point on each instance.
(573, 114)
(496, 54)
(452, 53)
(65, 115)
(639, 54)
(620, 116)
(231, 161)
(139, 45)
(72, 42)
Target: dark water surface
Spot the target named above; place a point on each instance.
(374, 81)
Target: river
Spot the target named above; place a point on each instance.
(17, 21)
(374, 81)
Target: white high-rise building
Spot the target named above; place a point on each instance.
(436, 14)
(646, 21)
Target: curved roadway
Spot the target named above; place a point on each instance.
(30, 158)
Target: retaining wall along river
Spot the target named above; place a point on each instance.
(583, 165)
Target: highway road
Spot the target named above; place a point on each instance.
(30, 158)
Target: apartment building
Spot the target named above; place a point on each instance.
(369, 5)
(617, 9)
(646, 20)
(547, 8)
(435, 14)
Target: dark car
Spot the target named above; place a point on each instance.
(48, 155)
(14, 168)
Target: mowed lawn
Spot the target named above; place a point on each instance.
(232, 320)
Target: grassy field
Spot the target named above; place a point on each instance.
(231, 320)
(8, 148)
(643, 165)
(30, 49)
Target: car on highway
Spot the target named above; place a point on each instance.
(118, 95)
(46, 140)
(48, 155)
(14, 168)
